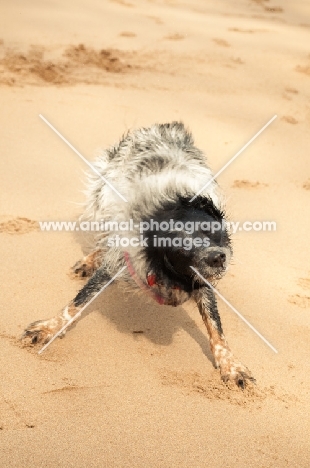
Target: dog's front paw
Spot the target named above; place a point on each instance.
(236, 372)
(40, 331)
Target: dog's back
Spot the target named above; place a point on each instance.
(160, 161)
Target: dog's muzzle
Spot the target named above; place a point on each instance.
(216, 259)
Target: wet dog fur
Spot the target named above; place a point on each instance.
(158, 170)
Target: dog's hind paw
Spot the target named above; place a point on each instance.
(40, 331)
(238, 373)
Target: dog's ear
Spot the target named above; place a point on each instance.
(180, 207)
(204, 204)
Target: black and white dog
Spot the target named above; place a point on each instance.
(162, 234)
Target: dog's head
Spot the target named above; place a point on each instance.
(189, 234)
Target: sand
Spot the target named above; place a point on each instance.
(133, 384)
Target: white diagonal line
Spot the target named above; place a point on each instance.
(235, 310)
(80, 311)
(82, 157)
(234, 157)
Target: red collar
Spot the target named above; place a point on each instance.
(151, 281)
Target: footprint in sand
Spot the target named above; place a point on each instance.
(304, 283)
(18, 226)
(77, 64)
(291, 90)
(241, 30)
(128, 34)
(212, 388)
(274, 9)
(237, 60)
(269, 8)
(303, 69)
(300, 301)
(221, 42)
(247, 184)
(306, 185)
(289, 119)
(288, 93)
(174, 37)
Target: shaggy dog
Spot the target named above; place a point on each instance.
(173, 244)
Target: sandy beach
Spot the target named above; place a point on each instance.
(133, 384)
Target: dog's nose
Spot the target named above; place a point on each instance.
(216, 259)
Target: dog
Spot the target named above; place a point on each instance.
(168, 245)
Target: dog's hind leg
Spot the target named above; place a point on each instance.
(230, 367)
(43, 330)
(87, 265)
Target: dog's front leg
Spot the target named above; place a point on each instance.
(230, 367)
(43, 330)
